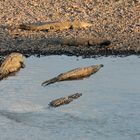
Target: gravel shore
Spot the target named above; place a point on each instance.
(114, 20)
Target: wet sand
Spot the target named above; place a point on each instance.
(116, 20)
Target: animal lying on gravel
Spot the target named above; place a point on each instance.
(84, 41)
(56, 26)
(78, 73)
(64, 100)
(11, 64)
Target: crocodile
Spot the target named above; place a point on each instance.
(56, 26)
(64, 100)
(11, 64)
(75, 74)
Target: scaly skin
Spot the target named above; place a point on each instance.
(11, 64)
(56, 26)
(78, 73)
(80, 24)
(84, 41)
(64, 100)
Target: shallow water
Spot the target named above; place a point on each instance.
(108, 110)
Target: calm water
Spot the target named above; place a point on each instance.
(108, 110)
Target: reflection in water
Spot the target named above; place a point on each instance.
(109, 108)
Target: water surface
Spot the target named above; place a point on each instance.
(108, 110)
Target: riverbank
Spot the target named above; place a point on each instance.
(117, 21)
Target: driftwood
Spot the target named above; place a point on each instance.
(11, 64)
(64, 100)
(56, 26)
(78, 73)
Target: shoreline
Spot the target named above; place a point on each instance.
(116, 21)
(85, 53)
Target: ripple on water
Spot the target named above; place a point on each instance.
(108, 109)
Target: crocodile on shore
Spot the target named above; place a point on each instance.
(56, 26)
(11, 64)
(84, 41)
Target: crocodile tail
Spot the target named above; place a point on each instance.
(51, 81)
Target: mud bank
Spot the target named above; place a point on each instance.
(40, 47)
(117, 21)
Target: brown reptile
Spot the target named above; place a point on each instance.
(78, 73)
(64, 100)
(11, 64)
(56, 26)
(84, 41)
